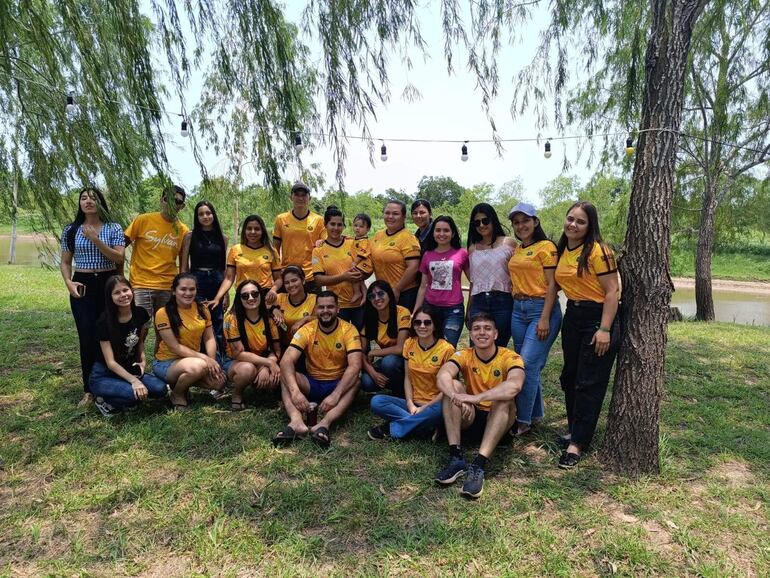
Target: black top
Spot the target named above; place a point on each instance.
(207, 251)
(129, 338)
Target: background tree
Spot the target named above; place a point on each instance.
(440, 191)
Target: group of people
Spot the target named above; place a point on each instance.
(307, 321)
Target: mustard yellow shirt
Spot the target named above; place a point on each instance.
(527, 268)
(331, 260)
(255, 264)
(190, 332)
(404, 321)
(481, 375)
(326, 354)
(256, 334)
(298, 238)
(155, 247)
(390, 254)
(423, 366)
(587, 287)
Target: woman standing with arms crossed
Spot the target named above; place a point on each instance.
(203, 255)
(97, 249)
(536, 316)
(441, 267)
(396, 255)
(590, 334)
(490, 285)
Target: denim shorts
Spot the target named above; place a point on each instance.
(226, 363)
(160, 368)
(320, 388)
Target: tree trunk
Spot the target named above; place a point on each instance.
(631, 446)
(704, 299)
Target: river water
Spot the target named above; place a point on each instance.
(730, 306)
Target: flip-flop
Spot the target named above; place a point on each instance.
(179, 406)
(285, 437)
(238, 406)
(321, 437)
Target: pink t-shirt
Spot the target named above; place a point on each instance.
(444, 273)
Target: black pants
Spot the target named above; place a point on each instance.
(86, 310)
(585, 376)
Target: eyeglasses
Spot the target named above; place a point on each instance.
(249, 295)
(483, 221)
(423, 322)
(377, 295)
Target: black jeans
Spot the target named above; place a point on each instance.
(585, 376)
(86, 310)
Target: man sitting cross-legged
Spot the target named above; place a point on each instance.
(332, 351)
(493, 376)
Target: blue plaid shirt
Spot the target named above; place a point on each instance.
(87, 255)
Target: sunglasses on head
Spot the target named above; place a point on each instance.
(377, 295)
(483, 221)
(423, 322)
(246, 295)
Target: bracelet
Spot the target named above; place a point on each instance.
(604, 329)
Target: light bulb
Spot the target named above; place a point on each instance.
(547, 153)
(383, 152)
(629, 146)
(184, 131)
(298, 146)
(70, 108)
(464, 153)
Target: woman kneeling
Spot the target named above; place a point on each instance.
(252, 344)
(184, 325)
(118, 380)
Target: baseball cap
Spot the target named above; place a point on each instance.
(524, 208)
(300, 186)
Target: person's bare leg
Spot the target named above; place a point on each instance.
(338, 410)
(182, 375)
(501, 417)
(241, 374)
(453, 418)
(296, 421)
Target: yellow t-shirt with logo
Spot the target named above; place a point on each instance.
(255, 264)
(256, 335)
(362, 252)
(331, 260)
(527, 268)
(390, 254)
(326, 354)
(587, 287)
(404, 322)
(423, 366)
(190, 332)
(294, 313)
(480, 375)
(155, 247)
(298, 238)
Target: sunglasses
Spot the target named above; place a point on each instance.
(249, 295)
(422, 322)
(483, 221)
(377, 295)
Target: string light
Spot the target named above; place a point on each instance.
(464, 152)
(547, 153)
(70, 108)
(629, 146)
(185, 131)
(383, 152)
(298, 146)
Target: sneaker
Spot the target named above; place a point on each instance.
(379, 432)
(568, 460)
(105, 408)
(474, 482)
(453, 470)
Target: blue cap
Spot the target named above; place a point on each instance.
(524, 208)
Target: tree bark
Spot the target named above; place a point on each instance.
(631, 446)
(704, 299)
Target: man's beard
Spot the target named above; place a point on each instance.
(327, 324)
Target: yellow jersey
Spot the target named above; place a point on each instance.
(585, 288)
(362, 253)
(423, 365)
(330, 260)
(190, 332)
(482, 375)
(403, 322)
(527, 268)
(155, 247)
(293, 313)
(255, 264)
(298, 238)
(390, 254)
(326, 354)
(256, 334)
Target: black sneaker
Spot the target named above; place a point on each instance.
(563, 442)
(105, 408)
(379, 432)
(568, 460)
(474, 482)
(453, 470)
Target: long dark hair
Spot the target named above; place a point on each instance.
(433, 314)
(537, 235)
(371, 321)
(240, 314)
(430, 242)
(497, 229)
(265, 240)
(80, 216)
(198, 234)
(593, 235)
(172, 307)
(111, 315)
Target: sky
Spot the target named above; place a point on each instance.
(449, 108)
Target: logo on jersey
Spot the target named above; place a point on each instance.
(338, 345)
(434, 359)
(497, 373)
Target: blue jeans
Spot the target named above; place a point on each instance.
(354, 315)
(534, 352)
(208, 285)
(402, 423)
(451, 320)
(499, 305)
(393, 367)
(408, 298)
(117, 391)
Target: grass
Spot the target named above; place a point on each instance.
(204, 493)
(737, 266)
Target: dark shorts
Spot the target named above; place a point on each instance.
(474, 432)
(320, 388)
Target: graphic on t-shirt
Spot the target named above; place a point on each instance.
(132, 340)
(441, 272)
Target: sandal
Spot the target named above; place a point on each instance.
(286, 437)
(238, 406)
(568, 460)
(321, 437)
